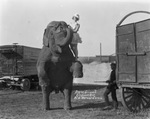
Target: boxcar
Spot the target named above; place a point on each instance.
(18, 65)
(133, 62)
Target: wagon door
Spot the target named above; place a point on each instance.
(6, 64)
(10, 60)
(133, 52)
(126, 44)
(143, 46)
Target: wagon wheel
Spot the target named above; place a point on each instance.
(25, 85)
(135, 99)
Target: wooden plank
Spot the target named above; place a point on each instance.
(126, 44)
(26, 60)
(143, 45)
(7, 60)
(125, 29)
(30, 53)
(143, 25)
(126, 68)
(30, 68)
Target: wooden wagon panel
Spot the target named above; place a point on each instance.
(126, 43)
(30, 56)
(126, 68)
(125, 39)
(7, 60)
(30, 53)
(143, 45)
(18, 60)
(133, 52)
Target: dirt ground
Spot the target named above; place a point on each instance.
(87, 104)
(87, 101)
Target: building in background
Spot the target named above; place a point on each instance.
(98, 58)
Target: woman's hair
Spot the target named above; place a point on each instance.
(76, 16)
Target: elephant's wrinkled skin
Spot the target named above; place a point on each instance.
(56, 63)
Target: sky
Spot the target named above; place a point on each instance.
(24, 21)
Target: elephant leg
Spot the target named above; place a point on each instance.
(42, 70)
(67, 101)
(46, 93)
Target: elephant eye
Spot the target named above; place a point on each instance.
(61, 28)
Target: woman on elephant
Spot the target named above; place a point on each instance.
(76, 38)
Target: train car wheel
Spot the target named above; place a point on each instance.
(26, 84)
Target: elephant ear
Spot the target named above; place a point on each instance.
(48, 37)
(45, 39)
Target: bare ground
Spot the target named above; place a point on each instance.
(15, 104)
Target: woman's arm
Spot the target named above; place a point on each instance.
(76, 29)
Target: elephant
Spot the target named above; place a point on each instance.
(56, 65)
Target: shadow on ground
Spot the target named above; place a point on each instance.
(100, 105)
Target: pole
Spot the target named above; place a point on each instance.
(15, 57)
(100, 52)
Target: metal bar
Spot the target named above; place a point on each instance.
(117, 56)
(144, 86)
(16, 84)
(130, 15)
(136, 54)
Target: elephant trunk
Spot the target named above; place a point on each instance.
(65, 40)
